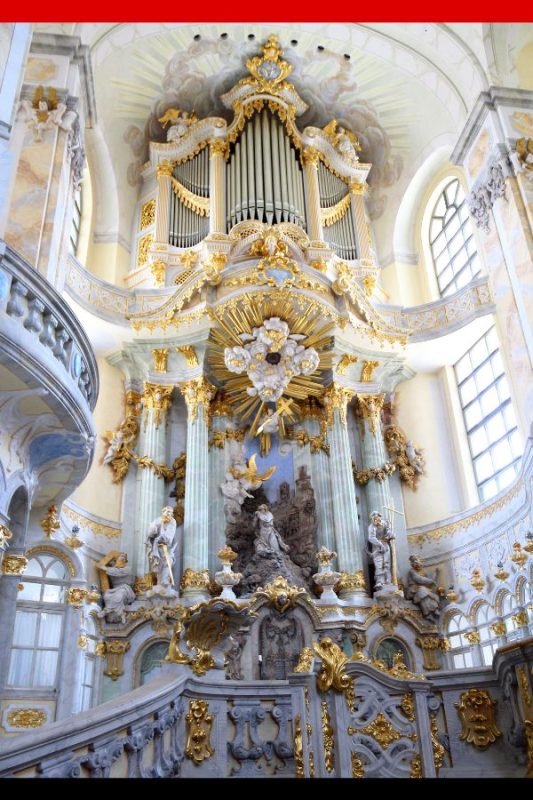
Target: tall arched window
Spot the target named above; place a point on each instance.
(39, 624)
(490, 422)
(451, 239)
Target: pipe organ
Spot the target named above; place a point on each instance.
(189, 204)
(264, 178)
(336, 212)
(260, 168)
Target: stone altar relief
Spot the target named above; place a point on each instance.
(281, 641)
(274, 539)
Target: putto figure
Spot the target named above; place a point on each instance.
(116, 582)
(161, 546)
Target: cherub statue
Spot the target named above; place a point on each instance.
(121, 444)
(415, 457)
(44, 112)
(180, 122)
(116, 582)
(343, 140)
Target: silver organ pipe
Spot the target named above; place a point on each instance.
(187, 228)
(264, 178)
(340, 235)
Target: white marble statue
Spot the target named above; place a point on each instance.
(235, 493)
(421, 589)
(161, 546)
(268, 541)
(380, 537)
(116, 582)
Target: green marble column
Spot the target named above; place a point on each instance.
(195, 578)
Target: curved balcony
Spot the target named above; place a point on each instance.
(49, 380)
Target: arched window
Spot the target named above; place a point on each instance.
(460, 647)
(451, 240)
(490, 422)
(39, 624)
(487, 638)
(152, 660)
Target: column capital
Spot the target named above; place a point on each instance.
(310, 157)
(157, 398)
(220, 406)
(164, 169)
(198, 392)
(219, 147)
(336, 397)
(369, 407)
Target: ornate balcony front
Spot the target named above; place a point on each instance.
(48, 383)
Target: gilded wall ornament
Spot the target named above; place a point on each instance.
(438, 749)
(120, 447)
(367, 371)
(381, 730)
(26, 718)
(477, 712)
(115, 650)
(158, 269)
(76, 596)
(346, 361)
(477, 581)
(160, 356)
(358, 770)
(298, 749)
(199, 725)
(332, 674)
(14, 565)
(148, 214)
(519, 557)
(305, 661)
(194, 580)
(45, 110)
(279, 594)
(352, 582)
(145, 243)
(328, 738)
(189, 352)
(50, 522)
(528, 730)
(416, 767)
(5, 535)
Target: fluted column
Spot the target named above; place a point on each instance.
(319, 465)
(195, 577)
(377, 492)
(162, 207)
(13, 565)
(152, 443)
(364, 241)
(314, 224)
(221, 436)
(218, 150)
(348, 542)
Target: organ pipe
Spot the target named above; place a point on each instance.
(187, 227)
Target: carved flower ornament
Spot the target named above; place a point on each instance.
(271, 357)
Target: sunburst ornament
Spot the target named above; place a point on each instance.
(266, 358)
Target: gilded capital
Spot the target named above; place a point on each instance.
(165, 168)
(356, 187)
(310, 156)
(156, 398)
(14, 565)
(219, 147)
(198, 392)
(336, 397)
(369, 407)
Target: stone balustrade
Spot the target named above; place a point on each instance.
(38, 330)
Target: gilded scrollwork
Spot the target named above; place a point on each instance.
(408, 459)
(199, 725)
(477, 712)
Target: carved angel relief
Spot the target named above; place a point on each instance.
(44, 111)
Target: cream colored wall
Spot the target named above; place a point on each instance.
(97, 494)
(424, 416)
(108, 261)
(402, 284)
